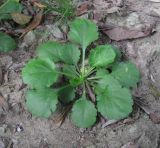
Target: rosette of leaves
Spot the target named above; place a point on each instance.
(101, 74)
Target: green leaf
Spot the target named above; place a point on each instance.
(102, 56)
(76, 81)
(9, 7)
(83, 113)
(6, 42)
(126, 73)
(117, 51)
(57, 52)
(66, 94)
(70, 54)
(115, 103)
(70, 70)
(101, 72)
(50, 50)
(39, 73)
(41, 103)
(106, 81)
(83, 32)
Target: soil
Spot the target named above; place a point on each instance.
(19, 129)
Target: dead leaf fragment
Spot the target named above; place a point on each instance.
(104, 7)
(109, 122)
(153, 113)
(36, 21)
(82, 9)
(20, 18)
(122, 33)
(130, 145)
(39, 5)
(59, 119)
(157, 1)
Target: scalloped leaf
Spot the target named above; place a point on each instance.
(70, 54)
(83, 32)
(39, 73)
(83, 113)
(126, 73)
(113, 101)
(59, 52)
(41, 102)
(50, 50)
(102, 56)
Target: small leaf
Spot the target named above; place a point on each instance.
(7, 43)
(20, 18)
(66, 94)
(58, 52)
(83, 113)
(39, 73)
(102, 56)
(9, 7)
(83, 32)
(126, 73)
(41, 103)
(114, 102)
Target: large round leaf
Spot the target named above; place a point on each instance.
(102, 56)
(70, 54)
(83, 113)
(50, 50)
(6, 42)
(126, 73)
(39, 73)
(41, 102)
(83, 32)
(57, 52)
(115, 103)
(106, 81)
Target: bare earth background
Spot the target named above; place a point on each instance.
(18, 129)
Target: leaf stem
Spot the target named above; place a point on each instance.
(90, 92)
(90, 71)
(83, 60)
(62, 73)
(59, 89)
(93, 78)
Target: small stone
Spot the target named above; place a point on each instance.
(2, 145)
(29, 39)
(55, 31)
(132, 20)
(19, 128)
(6, 60)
